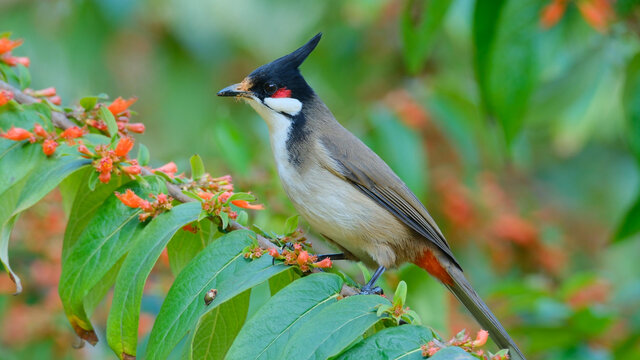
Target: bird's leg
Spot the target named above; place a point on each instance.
(369, 288)
(337, 256)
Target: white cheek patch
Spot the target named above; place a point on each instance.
(286, 105)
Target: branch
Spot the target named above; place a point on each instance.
(61, 121)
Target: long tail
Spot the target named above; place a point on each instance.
(455, 281)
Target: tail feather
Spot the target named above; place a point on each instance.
(461, 288)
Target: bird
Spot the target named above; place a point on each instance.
(346, 192)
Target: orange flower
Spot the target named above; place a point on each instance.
(49, 147)
(120, 105)
(481, 338)
(224, 196)
(132, 170)
(324, 263)
(190, 229)
(245, 205)
(17, 134)
(168, 168)
(55, 100)
(552, 13)
(135, 127)
(15, 60)
(72, 133)
(303, 258)
(82, 149)
(7, 44)
(5, 97)
(205, 195)
(130, 198)
(273, 252)
(124, 146)
(50, 91)
(597, 13)
(104, 177)
(39, 130)
(105, 165)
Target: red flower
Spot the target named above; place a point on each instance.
(135, 127)
(104, 177)
(17, 134)
(47, 92)
(552, 13)
(5, 97)
(120, 105)
(224, 196)
(72, 133)
(168, 168)
(205, 195)
(124, 146)
(39, 130)
(324, 263)
(130, 199)
(133, 169)
(7, 44)
(245, 205)
(49, 147)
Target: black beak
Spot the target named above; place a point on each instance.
(232, 90)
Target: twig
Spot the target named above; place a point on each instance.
(61, 121)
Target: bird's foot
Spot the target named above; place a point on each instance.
(368, 290)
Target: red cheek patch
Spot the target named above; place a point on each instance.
(283, 92)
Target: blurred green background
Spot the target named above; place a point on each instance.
(517, 122)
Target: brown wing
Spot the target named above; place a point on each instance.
(365, 170)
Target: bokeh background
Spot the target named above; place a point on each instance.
(515, 121)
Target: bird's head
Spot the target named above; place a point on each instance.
(277, 88)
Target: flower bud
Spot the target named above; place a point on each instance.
(49, 147)
(39, 130)
(17, 134)
(136, 127)
(104, 177)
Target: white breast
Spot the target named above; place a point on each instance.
(331, 206)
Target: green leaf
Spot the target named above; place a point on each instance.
(217, 329)
(89, 102)
(286, 312)
(185, 245)
(143, 155)
(291, 224)
(93, 245)
(505, 41)
(197, 167)
(400, 342)
(452, 353)
(417, 38)
(220, 266)
(105, 115)
(24, 76)
(630, 224)
(122, 324)
(334, 328)
(241, 196)
(281, 280)
(400, 295)
(631, 104)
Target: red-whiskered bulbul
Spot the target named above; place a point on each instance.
(348, 193)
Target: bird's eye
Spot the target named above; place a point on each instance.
(270, 88)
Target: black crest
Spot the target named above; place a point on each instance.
(284, 72)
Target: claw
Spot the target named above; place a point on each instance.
(367, 290)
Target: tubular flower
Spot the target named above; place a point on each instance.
(224, 196)
(105, 165)
(39, 130)
(46, 92)
(124, 146)
(135, 127)
(56, 100)
(72, 133)
(273, 252)
(129, 198)
(169, 168)
(119, 105)
(552, 13)
(104, 177)
(49, 147)
(245, 205)
(134, 169)
(82, 149)
(5, 97)
(17, 134)
(323, 264)
(481, 338)
(15, 60)
(7, 44)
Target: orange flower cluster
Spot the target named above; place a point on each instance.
(50, 140)
(253, 252)
(119, 108)
(597, 13)
(6, 46)
(161, 203)
(105, 158)
(300, 258)
(464, 341)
